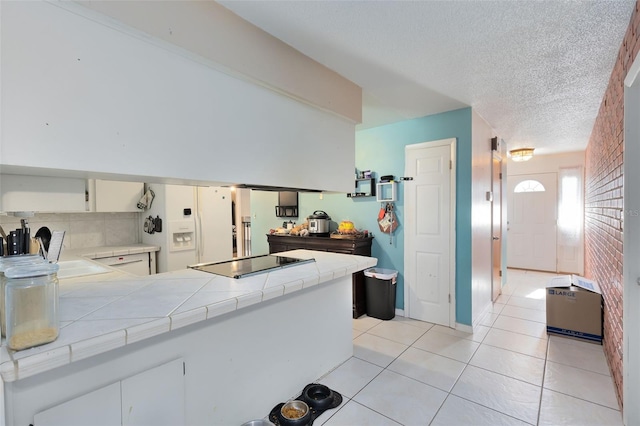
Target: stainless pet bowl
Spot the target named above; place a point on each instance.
(298, 405)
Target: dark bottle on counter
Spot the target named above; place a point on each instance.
(14, 242)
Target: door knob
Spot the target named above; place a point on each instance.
(496, 238)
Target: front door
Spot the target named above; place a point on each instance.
(496, 226)
(531, 222)
(429, 231)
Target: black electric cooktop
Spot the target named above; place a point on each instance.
(242, 267)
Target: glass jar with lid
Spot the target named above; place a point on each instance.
(7, 262)
(31, 299)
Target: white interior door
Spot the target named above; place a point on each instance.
(430, 232)
(532, 221)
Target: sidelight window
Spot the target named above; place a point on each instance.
(570, 210)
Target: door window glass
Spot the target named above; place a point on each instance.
(529, 186)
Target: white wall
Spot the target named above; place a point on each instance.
(88, 95)
(481, 226)
(545, 163)
(214, 32)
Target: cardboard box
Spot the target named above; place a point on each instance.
(574, 308)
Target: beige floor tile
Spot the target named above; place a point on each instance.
(410, 321)
(510, 396)
(488, 319)
(351, 377)
(429, 368)
(401, 399)
(457, 411)
(521, 326)
(513, 364)
(583, 384)
(585, 355)
(525, 314)
(397, 331)
(364, 323)
(516, 342)
(446, 345)
(478, 335)
(557, 409)
(377, 350)
(529, 303)
(356, 414)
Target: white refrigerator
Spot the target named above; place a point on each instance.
(196, 225)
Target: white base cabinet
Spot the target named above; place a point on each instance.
(98, 408)
(153, 397)
(140, 264)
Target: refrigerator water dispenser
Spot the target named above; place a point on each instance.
(182, 235)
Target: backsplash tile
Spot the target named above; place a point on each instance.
(87, 233)
(85, 229)
(121, 231)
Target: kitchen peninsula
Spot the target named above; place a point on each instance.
(185, 346)
(360, 246)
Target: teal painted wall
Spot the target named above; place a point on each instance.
(381, 150)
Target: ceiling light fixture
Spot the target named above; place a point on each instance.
(521, 154)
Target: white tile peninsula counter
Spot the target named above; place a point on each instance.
(186, 346)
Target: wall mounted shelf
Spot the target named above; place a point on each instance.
(387, 192)
(287, 204)
(368, 188)
(286, 211)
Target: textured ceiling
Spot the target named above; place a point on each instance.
(535, 70)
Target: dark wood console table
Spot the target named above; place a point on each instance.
(358, 246)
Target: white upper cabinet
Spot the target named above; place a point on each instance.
(114, 196)
(41, 194)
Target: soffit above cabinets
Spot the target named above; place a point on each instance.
(536, 71)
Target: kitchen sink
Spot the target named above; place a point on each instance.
(80, 268)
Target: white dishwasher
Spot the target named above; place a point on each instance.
(136, 264)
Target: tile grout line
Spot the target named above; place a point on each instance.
(544, 377)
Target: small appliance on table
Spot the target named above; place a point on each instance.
(245, 266)
(319, 224)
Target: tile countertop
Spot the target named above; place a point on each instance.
(108, 251)
(99, 315)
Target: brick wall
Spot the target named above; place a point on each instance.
(604, 200)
